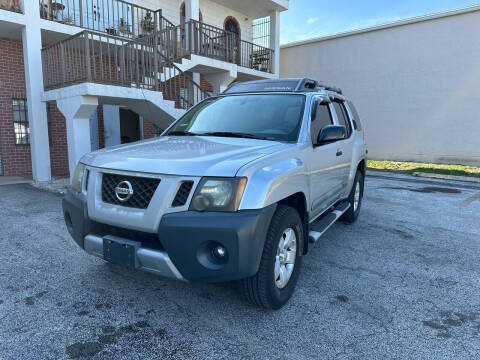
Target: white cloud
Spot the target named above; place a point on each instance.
(312, 20)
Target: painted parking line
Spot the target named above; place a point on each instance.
(471, 199)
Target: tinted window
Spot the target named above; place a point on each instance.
(266, 116)
(356, 117)
(322, 119)
(342, 116)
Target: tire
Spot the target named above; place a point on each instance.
(264, 289)
(352, 213)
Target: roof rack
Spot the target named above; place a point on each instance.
(276, 85)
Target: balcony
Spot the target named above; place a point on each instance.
(11, 5)
(114, 17)
(202, 39)
(125, 20)
(91, 57)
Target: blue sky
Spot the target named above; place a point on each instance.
(310, 18)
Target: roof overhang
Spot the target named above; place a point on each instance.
(254, 9)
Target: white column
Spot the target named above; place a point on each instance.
(94, 130)
(275, 40)
(37, 110)
(220, 80)
(77, 111)
(192, 9)
(196, 95)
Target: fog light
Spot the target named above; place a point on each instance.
(220, 252)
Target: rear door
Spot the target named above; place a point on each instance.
(344, 147)
(325, 176)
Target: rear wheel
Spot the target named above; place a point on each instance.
(355, 199)
(275, 281)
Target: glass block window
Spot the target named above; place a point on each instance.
(20, 122)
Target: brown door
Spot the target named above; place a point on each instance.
(231, 25)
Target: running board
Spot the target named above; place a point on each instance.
(319, 227)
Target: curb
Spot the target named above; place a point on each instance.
(447, 177)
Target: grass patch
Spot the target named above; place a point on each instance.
(412, 167)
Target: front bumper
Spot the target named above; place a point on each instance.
(183, 246)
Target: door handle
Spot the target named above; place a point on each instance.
(339, 153)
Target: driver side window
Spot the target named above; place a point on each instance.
(323, 118)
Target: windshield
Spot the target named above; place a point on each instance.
(267, 116)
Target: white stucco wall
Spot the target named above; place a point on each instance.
(213, 13)
(416, 86)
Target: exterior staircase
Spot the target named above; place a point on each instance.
(155, 65)
(112, 63)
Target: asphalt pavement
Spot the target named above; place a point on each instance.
(403, 282)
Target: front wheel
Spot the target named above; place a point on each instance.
(275, 281)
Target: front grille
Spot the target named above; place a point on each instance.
(182, 194)
(143, 190)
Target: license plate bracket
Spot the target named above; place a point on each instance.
(120, 251)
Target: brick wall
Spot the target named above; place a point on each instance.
(205, 84)
(57, 133)
(16, 159)
(148, 129)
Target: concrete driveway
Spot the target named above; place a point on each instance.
(403, 282)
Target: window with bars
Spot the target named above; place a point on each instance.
(20, 122)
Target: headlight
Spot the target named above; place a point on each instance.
(77, 178)
(218, 194)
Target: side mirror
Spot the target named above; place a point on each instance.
(331, 133)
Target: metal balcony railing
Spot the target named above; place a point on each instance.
(106, 59)
(122, 19)
(198, 38)
(114, 17)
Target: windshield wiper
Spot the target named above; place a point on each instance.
(231, 134)
(182, 133)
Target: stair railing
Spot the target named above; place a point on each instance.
(105, 59)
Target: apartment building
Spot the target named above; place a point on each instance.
(78, 75)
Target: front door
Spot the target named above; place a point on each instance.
(344, 146)
(325, 173)
(233, 42)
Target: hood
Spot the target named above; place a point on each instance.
(183, 155)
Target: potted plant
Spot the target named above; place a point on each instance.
(147, 23)
(121, 25)
(68, 20)
(16, 6)
(43, 11)
(6, 4)
(111, 31)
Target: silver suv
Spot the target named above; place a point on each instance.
(236, 189)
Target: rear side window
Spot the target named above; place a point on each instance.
(356, 118)
(322, 119)
(342, 116)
